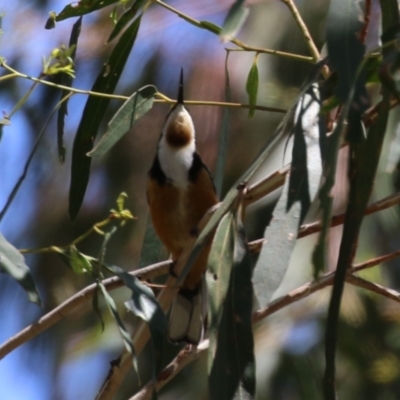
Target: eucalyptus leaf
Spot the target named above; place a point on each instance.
(126, 337)
(126, 17)
(145, 306)
(93, 114)
(129, 113)
(252, 86)
(299, 191)
(66, 80)
(232, 369)
(82, 7)
(234, 20)
(13, 263)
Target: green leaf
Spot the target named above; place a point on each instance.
(234, 20)
(145, 306)
(130, 112)
(126, 337)
(344, 49)
(223, 135)
(127, 16)
(66, 80)
(306, 165)
(13, 262)
(299, 191)
(209, 26)
(93, 113)
(363, 161)
(220, 262)
(232, 366)
(80, 263)
(82, 7)
(252, 86)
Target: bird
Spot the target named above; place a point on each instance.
(180, 190)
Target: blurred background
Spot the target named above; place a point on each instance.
(70, 360)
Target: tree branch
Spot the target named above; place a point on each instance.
(73, 303)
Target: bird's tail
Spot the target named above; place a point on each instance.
(187, 318)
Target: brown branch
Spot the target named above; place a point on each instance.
(73, 303)
(380, 205)
(184, 357)
(374, 287)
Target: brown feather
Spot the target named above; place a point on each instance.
(176, 212)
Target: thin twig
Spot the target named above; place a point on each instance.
(374, 287)
(243, 46)
(304, 30)
(161, 97)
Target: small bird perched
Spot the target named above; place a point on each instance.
(180, 190)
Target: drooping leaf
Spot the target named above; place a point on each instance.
(234, 20)
(299, 191)
(13, 263)
(232, 369)
(363, 161)
(252, 86)
(341, 39)
(125, 18)
(344, 49)
(306, 166)
(66, 80)
(126, 337)
(92, 115)
(82, 7)
(145, 306)
(343, 25)
(223, 136)
(130, 112)
(220, 262)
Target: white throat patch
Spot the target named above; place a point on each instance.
(176, 162)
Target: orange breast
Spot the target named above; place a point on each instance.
(175, 214)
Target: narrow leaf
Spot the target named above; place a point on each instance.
(125, 18)
(234, 20)
(93, 113)
(363, 161)
(232, 373)
(126, 337)
(66, 80)
(252, 86)
(13, 263)
(82, 7)
(145, 306)
(223, 135)
(218, 274)
(299, 191)
(130, 112)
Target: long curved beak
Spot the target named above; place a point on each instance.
(180, 90)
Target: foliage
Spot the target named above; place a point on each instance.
(333, 112)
